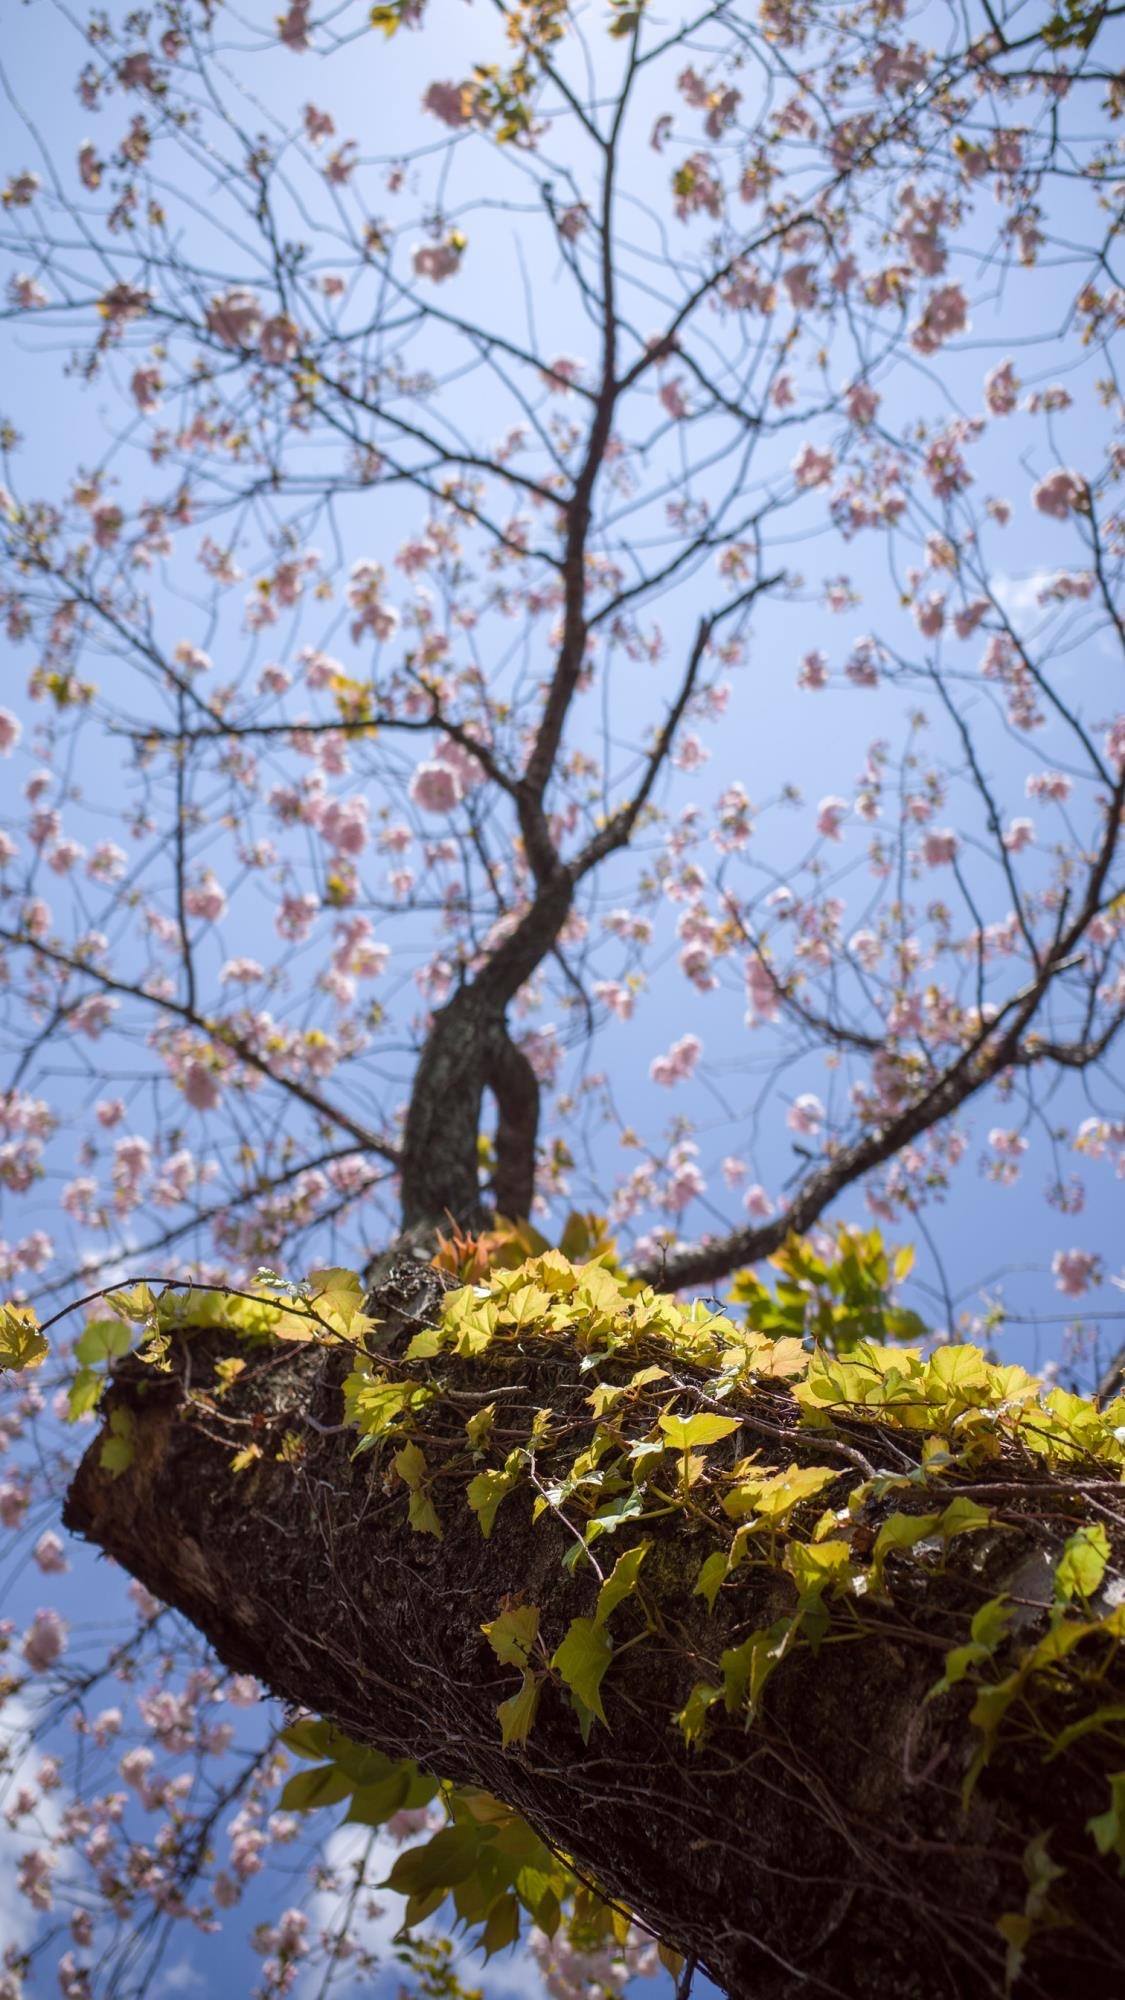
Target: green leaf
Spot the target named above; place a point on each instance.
(326, 1785)
(449, 1857)
(1108, 1828)
(513, 1635)
(488, 1489)
(815, 1565)
(684, 1433)
(622, 1583)
(963, 1516)
(898, 1533)
(712, 1574)
(693, 1714)
(623, 1507)
(119, 1448)
(308, 1738)
(503, 1926)
(103, 1340)
(582, 1660)
(84, 1394)
(1081, 1566)
(372, 1805)
(518, 1713)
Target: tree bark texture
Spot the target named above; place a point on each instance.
(821, 1850)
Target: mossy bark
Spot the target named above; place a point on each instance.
(823, 1850)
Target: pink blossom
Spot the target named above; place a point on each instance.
(26, 293)
(679, 1062)
(279, 340)
(1115, 742)
(94, 1014)
(805, 1115)
(107, 863)
(44, 1641)
(929, 614)
(206, 899)
(293, 27)
(49, 1554)
(1001, 390)
(761, 992)
(813, 671)
(451, 102)
(861, 403)
(435, 787)
(1020, 833)
(200, 1086)
(1063, 492)
(438, 261)
(344, 825)
(1075, 1271)
(829, 814)
(235, 317)
(90, 168)
(968, 617)
(296, 916)
(33, 1877)
(939, 848)
(241, 972)
(945, 314)
(813, 468)
(800, 283)
(1053, 786)
(757, 1203)
(14, 1502)
(673, 399)
(1010, 1145)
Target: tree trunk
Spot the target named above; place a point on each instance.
(821, 1850)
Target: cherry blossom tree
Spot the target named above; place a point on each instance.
(513, 453)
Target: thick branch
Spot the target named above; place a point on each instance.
(820, 1850)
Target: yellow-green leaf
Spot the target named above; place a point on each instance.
(582, 1660)
(622, 1582)
(518, 1713)
(513, 1634)
(685, 1433)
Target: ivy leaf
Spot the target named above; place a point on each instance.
(513, 1634)
(518, 1713)
(622, 1583)
(582, 1660)
(84, 1393)
(21, 1343)
(137, 1304)
(102, 1340)
(813, 1566)
(898, 1533)
(712, 1573)
(119, 1448)
(1108, 1828)
(1081, 1566)
(684, 1433)
(962, 1517)
(623, 1507)
(488, 1489)
(693, 1714)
